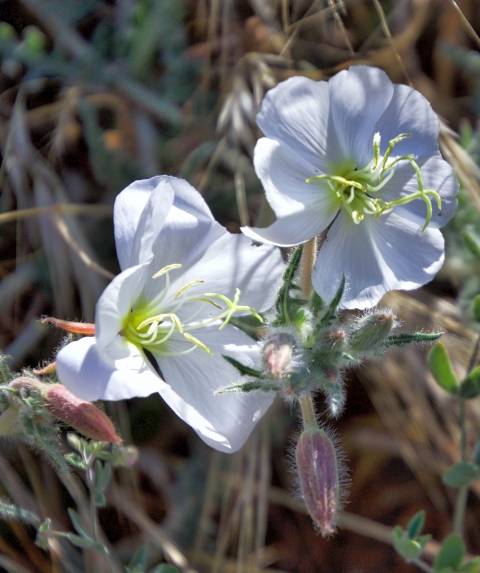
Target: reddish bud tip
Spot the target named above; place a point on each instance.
(318, 474)
(81, 415)
(75, 327)
(371, 330)
(278, 352)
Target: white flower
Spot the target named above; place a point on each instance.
(157, 323)
(357, 157)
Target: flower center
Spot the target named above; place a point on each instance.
(150, 324)
(355, 190)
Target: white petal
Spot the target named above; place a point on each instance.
(137, 219)
(223, 421)
(358, 97)
(296, 113)
(295, 229)
(409, 112)
(88, 376)
(376, 256)
(438, 175)
(116, 302)
(188, 230)
(283, 173)
(232, 262)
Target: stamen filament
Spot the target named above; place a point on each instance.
(185, 287)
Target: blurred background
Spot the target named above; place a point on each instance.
(95, 94)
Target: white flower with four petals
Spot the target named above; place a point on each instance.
(356, 158)
(157, 324)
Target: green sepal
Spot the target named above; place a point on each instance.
(461, 474)
(242, 369)
(409, 549)
(250, 386)
(472, 243)
(451, 554)
(415, 525)
(470, 387)
(411, 338)
(476, 308)
(441, 369)
(472, 566)
(331, 312)
(288, 309)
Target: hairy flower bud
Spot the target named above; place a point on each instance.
(371, 330)
(62, 404)
(81, 415)
(278, 352)
(319, 482)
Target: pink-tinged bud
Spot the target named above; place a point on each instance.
(81, 415)
(371, 330)
(333, 337)
(278, 353)
(318, 474)
(75, 327)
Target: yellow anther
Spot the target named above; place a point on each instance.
(204, 299)
(166, 270)
(185, 287)
(197, 342)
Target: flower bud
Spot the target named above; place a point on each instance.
(278, 354)
(62, 404)
(371, 330)
(318, 474)
(81, 415)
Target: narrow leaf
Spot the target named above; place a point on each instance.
(411, 338)
(243, 370)
(77, 524)
(415, 525)
(331, 311)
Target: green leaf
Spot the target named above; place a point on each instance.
(86, 543)
(461, 474)
(415, 525)
(451, 553)
(472, 243)
(331, 311)
(288, 309)
(317, 304)
(411, 338)
(476, 308)
(77, 524)
(472, 566)
(139, 560)
(99, 499)
(103, 473)
(244, 370)
(76, 461)
(409, 549)
(441, 368)
(263, 385)
(470, 387)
